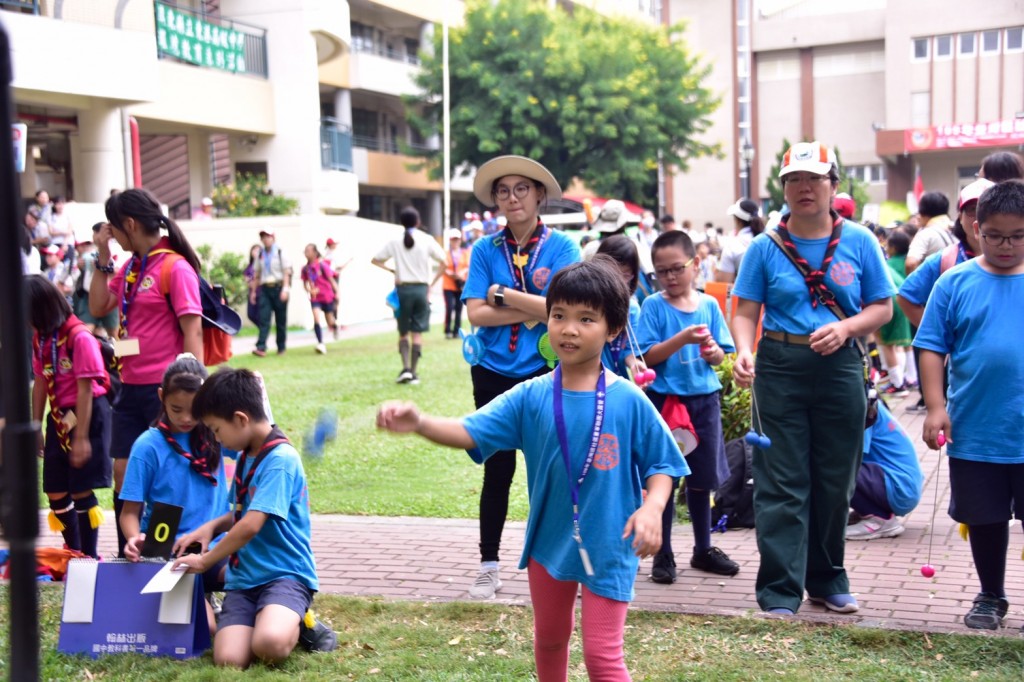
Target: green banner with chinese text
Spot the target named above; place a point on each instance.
(186, 37)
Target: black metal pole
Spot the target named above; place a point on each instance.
(20, 484)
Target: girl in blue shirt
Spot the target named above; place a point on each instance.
(619, 354)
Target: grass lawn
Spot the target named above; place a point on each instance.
(366, 471)
(471, 641)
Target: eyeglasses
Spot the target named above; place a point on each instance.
(503, 192)
(804, 179)
(999, 240)
(674, 271)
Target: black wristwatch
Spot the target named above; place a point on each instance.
(108, 268)
(499, 295)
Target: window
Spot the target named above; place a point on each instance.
(1015, 39)
(968, 44)
(412, 50)
(943, 47)
(874, 173)
(920, 52)
(990, 42)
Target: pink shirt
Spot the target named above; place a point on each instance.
(87, 364)
(152, 321)
(322, 291)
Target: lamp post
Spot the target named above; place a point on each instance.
(747, 157)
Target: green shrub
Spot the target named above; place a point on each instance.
(228, 270)
(249, 195)
(735, 402)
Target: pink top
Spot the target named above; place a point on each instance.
(87, 364)
(152, 321)
(319, 276)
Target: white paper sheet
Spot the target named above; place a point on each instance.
(164, 581)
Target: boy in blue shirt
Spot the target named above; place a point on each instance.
(973, 316)
(682, 336)
(271, 576)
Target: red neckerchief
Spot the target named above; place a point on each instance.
(815, 279)
(199, 462)
(274, 438)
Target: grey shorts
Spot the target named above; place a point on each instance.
(241, 606)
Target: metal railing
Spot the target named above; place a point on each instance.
(26, 6)
(371, 47)
(254, 46)
(335, 145)
(375, 144)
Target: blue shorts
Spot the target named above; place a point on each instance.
(708, 464)
(983, 493)
(870, 497)
(241, 606)
(326, 307)
(136, 408)
(58, 474)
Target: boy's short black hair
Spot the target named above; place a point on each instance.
(595, 283)
(674, 240)
(933, 204)
(899, 241)
(623, 251)
(1005, 198)
(228, 391)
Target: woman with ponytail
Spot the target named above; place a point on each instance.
(412, 255)
(154, 325)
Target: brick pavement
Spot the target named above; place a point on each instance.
(436, 559)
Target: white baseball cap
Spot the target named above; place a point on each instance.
(811, 157)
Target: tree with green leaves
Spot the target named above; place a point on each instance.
(854, 187)
(589, 96)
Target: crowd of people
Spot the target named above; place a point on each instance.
(598, 364)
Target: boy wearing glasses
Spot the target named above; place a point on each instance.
(973, 316)
(683, 335)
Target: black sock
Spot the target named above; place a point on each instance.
(88, 535)
(417, 351)
(667, 518)
(988, 547)
(121, 539)
(64, 511)
(319, 333)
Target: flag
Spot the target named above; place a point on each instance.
(918, 185)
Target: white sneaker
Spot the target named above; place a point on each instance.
(321, 349)
(873, 527)
(485, 585)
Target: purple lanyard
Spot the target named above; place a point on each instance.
(563, 440)
(126, 297)
(519, 277)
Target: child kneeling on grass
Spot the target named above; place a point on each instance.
(271, 576)
(587, 452)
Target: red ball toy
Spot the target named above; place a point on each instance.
(928, 571)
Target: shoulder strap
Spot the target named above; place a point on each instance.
(948, 259)
(165, 270)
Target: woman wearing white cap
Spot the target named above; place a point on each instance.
(747, 215)
(809, 392)
(504, 296)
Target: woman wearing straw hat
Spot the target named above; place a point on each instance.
(504, 296)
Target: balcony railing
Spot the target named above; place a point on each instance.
(335, 145)
(370, 47)
(191, 37)
(25, 6)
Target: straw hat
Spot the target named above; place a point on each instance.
(512, 165)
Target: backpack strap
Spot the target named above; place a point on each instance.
(949, 256)
(164, 285)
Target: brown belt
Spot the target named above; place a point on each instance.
(786, 337)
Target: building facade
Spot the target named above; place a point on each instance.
(898, 86)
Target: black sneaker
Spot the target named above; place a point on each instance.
(714, 560)
(317, 638)
(664, 571)
(916, 408)
(987, 613)
(404, 377)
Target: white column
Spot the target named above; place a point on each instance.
(199, 174)
(99, 165)
(343, 106)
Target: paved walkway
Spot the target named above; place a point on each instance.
(436, 559)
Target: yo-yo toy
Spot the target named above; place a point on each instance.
(325, 428)
(756, 438)
(646, 377)
(927, 570)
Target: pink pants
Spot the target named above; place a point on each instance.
(554, 615)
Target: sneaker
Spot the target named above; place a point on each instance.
(987, 613)
(259, 352)
(485, 585)
(415, 379)
(404, 377)
(216, 603)
(840, 603)
(896, 391)
(321, 349)
(664, 570)
(915, 408)
(874, 527)
(320, 637)
(714, 560)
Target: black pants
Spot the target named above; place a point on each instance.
(500, 468)
(452, 311)
(270, 303)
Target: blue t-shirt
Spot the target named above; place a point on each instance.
(858, 275)
(282, 547)
(974, 316)
(919, 284)
(634, 445)
(156, 473)
(685, 372)
(489, 265)
(615, 353)
(888, 445)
